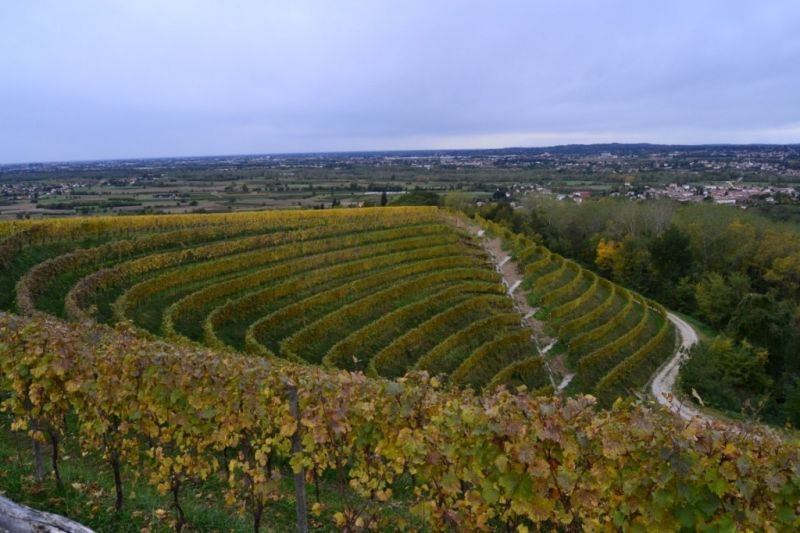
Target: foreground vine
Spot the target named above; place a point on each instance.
(502, 460)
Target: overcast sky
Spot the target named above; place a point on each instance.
(84, 79)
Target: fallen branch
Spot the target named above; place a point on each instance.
(17, 518)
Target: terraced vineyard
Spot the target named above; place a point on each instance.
(377, 290)
(610, 339)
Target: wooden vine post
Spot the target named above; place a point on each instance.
(297, 448)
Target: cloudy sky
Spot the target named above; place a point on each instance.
(110, 79)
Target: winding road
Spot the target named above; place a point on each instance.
(664, 381)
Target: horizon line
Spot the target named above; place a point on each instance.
(400, 150)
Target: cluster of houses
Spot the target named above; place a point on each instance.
(728, 193)
(32, 189)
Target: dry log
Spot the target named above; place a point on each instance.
(16, 518)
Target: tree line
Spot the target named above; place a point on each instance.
(737, 271)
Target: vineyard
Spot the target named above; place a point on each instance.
(381, 291)
(187, 419)
(362, 351)
(608, 338)
(375, 290)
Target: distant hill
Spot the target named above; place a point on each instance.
(617, 149)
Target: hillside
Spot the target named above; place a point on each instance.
(377, 290)
(405, 454)
(264, 312)
(603, 338)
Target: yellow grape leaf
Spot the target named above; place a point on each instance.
(288, 428)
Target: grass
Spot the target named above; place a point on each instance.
(557, 349)
(87, 496)
(30, 256)
(704, 331)
(87, 493)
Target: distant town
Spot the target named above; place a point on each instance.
(738, 175)
(727, 193)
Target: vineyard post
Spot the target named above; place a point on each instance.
(299, 477)
(38, 459)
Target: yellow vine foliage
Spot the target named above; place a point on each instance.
(501, 460)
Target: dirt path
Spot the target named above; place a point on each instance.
(508, 269)
(663, 385)
(512, 279)
(664, 380)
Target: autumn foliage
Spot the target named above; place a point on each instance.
(503, 460)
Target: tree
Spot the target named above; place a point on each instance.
(727, 374)
(503, 213)
(606, 252)
(384, 199)
(500, 194)
(417, 197)
(785, 273)
(717, 297)
(627, 261)
(739, 246)
(460, 201)
(761, 320)
(708, 228)
(657, 216)
(791, 404)
(671, 253)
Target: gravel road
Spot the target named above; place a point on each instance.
(664, 381)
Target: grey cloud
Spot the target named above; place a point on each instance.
(95, 79)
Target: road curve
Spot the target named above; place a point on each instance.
(664, 381)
